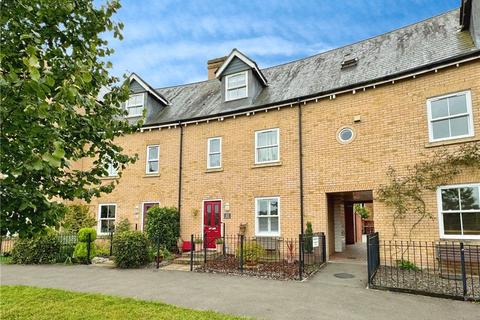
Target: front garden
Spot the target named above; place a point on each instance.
(20, 302)
(77, 242)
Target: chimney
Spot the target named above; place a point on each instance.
(213, 65)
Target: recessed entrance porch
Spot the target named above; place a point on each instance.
(347, 229)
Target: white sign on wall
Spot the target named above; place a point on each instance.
(316, 241)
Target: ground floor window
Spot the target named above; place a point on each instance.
(267, 216)
(106, 219)
(459, 211)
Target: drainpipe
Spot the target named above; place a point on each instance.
(300, 153)
(180, 167)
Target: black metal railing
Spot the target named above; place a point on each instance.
(275, 257)
(442, 268)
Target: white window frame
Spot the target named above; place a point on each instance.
(227, 88)
(127, 105)
(112, 169)
(99, 220)
(147, 160)
(468, 99)
(440, 212)
(269, 233)
(209, 153)
(257, 147)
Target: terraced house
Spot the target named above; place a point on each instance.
(270, 149)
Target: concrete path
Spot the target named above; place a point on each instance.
(321, 297)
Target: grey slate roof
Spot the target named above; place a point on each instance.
(404, 49)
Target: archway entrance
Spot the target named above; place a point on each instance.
(347, 229)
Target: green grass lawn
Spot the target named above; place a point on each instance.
(20, 302)
(5, 260)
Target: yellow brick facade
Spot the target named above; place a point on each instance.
(393, 131)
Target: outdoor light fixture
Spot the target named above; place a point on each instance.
(227, 207)
(135, 214)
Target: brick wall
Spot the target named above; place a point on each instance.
(393, 132)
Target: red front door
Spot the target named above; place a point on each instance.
(212, 222)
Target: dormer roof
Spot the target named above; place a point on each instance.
(252, 64)
(160, 98)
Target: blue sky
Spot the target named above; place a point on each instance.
(169, 42)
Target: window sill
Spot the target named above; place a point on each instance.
(110, 178)
(269, 164)
(151, 175)
(450, 142)
(214, 170)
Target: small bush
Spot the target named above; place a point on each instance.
(252, 251)
(81, 249)
(164, 254)
(83, 234)
(163, 224)
(81, 252)
(123, 226)
(130, 249)
(38, 250)
(407, 265)
(309, 238)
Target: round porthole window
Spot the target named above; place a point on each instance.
(345, 135)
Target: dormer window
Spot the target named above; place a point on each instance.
(236, 86)
(135, 105)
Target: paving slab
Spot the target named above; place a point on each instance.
(323, 296)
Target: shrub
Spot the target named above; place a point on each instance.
(407, 265)
(83, 234)
(252, 251)
(81, 252)
(77, 216)
(81, 249)
(123, 226)
(163, 224)
(130, 249)
(37, 250)
(309, 238)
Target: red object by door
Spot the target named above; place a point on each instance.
(212, 222)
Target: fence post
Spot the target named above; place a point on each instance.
(111, 243)
(300, 257)
(205, 248)
(224, 242)
(324, 248)
(464, 274)
(369, 273)
(158, 253)
(89, 237)
(241, 252)
(191, 252)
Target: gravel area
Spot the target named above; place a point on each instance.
(426, 281)
(270, 270)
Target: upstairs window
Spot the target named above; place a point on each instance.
(236, 86)
(214, 149)
(459, 211)
(153, 156)
(112, 169)
(450, 116)
(135, 105)
(267, 146)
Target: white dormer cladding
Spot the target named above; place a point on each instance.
(143, 97)
(241, 78)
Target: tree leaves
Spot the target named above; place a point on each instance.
(52, 69)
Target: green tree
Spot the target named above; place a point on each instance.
(53, 71)
(77, 216)
(163, 224)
